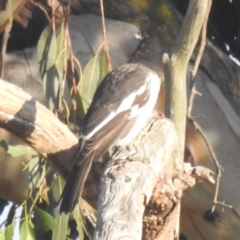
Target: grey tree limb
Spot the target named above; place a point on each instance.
(129, 181)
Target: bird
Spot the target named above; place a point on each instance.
(121, 106)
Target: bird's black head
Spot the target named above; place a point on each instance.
(149, 53)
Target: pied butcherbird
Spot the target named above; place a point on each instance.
(120, 108)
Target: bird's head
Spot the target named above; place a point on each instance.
(149, 53)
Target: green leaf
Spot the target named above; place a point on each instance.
(61, 221)
(63, 53)
(51, 85)
(89, 82)
(27, 230)
(47, 55)
(93, 73)
(47, 49)
(45, 220)
(81, 228)
(15, 151)
(35, 169)
(52, 57)
(7, 233)
(80, 224)
(61, 227)
(103, 64)
(57, 188)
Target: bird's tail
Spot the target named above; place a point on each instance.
(74, 185)
(93, 149)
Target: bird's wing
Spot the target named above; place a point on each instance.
(118, 92)
(93, 149)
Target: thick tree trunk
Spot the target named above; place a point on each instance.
(130, 180)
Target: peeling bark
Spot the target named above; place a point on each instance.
(130, 179)
(22, 115)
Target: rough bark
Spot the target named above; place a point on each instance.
(130, 180)
(142, 186)
(21, 114)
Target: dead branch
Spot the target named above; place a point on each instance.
(22, 115)
(216, 161)
(130, 178)
(219, 168)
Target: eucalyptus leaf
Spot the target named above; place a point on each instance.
(35, 171)
(81, 228)
(9, 230)
(27, 230)
(89, 82)
(15, 151)
(79, 221)
(60, 230)
(63, 53)
(103, 64)
(47, 49)
(47, 55)
(45, 220)
(57, 188)
(51, 85)
(7, 233)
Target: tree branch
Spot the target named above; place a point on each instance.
(130, 177)
(176, 65)
(22, 115)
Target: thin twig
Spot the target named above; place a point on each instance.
(203, 41)
(224, 204)
(191, 100)
(105, 36)
(198, 127)
(218, 166)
